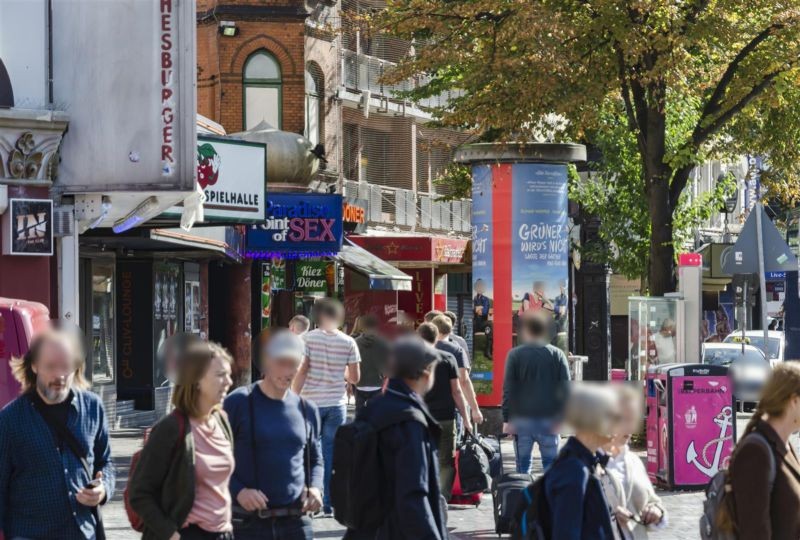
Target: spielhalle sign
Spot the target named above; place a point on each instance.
(232, 175)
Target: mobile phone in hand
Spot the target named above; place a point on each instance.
(93, 484)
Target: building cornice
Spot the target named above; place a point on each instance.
(252, 13)
(29, 144)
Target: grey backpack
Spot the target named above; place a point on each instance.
(719, 487)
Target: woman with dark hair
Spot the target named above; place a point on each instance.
(180, 486)
(764, 474)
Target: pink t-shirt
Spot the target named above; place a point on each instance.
(213, 467)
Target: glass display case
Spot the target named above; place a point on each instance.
(654, 324)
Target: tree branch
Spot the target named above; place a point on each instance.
(713, 104)
(701, 134)
(630, 111)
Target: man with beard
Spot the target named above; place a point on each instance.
(55, 459)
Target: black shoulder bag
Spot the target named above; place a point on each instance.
(64, 434)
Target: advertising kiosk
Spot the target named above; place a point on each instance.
(691, 424)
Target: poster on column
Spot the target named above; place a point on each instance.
(540, 245)
(482, 286)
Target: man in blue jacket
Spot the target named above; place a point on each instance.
(408, 449)
(47, 490)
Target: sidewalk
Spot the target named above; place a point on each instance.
(463, 522)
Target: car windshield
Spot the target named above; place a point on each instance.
(726, 357)
(758, 342)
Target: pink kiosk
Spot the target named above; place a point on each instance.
(691, 424)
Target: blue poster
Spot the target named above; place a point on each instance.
(482, 270)
(299, 223)
(540, 243)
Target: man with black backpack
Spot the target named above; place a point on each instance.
(385, 467)
(278, 475)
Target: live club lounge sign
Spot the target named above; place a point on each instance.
(299, 223)
(28, 227)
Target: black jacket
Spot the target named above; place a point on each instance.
(374, 350)
(410, 469)
(578, 506)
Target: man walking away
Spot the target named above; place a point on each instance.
(443, 343)
(534, 393)
(407, 450)
(299, 325)
(457, 339)
(55, 460)
(278, 475)
(374, 351)
(442, 401)
(331, 361)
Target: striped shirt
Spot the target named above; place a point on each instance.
(328, 354)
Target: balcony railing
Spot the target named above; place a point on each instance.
(407, 210)
(363, 73)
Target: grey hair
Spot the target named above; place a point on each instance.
(593, 408)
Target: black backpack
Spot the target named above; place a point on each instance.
(358, 487)
(473, 465)
(532, 518)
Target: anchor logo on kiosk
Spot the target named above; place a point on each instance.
(723, 420)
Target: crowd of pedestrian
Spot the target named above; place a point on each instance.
(260, 460)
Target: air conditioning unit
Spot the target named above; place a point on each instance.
(363, 103)
(63, 221)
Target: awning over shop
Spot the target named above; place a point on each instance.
(382, 276)
(224, 240)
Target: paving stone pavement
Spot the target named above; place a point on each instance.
(464, 522)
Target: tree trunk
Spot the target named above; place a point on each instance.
(662, 253)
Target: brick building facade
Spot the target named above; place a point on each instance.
(272, 27)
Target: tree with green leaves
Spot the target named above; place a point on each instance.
(674, 82)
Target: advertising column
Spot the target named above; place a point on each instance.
(520, 249)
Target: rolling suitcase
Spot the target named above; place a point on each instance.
(507, 491)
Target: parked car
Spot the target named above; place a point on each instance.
(776, 342)
(748, 367)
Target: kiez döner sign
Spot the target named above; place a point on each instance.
(302, 222)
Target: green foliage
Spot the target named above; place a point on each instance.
(457, 179)
(658, 85)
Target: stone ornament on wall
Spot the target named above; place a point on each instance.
(29, 155)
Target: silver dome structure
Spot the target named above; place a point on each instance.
(291, 164)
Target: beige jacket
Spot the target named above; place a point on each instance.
(627, 485)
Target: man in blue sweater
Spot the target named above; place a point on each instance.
(278, 475)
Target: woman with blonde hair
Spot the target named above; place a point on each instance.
(180, 486)
(764, 475)
(628, 489)
(572, 484)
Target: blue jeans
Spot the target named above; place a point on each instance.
(528, 432)
(283, 528)
(331, 418)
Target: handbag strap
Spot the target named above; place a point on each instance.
(307, 447)
(64, 434)
(253, 451)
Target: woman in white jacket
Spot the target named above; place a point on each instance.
(626, 484)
